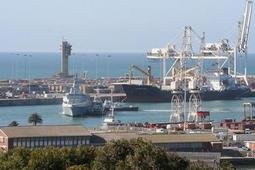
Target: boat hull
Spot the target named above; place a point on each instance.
(76, 111)
(146, 93)
(126, 108)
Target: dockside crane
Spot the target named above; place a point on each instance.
(147, 73)
(244, 27)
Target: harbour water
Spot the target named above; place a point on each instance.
(41, 65)
(159, 112)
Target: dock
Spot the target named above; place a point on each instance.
(117, 97)
(30, 101)
(55, 100)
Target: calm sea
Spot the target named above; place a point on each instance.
(42, 65)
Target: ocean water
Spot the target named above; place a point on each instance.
(43, 65)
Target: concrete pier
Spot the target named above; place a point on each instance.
(30, 101)
(117, 97)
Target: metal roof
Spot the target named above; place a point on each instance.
(173, 138)
(45, 131)
(161, 138)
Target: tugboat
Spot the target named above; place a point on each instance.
(109, 120)
(118, 106)
(75, 103)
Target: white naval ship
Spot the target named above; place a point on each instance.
(76, 103)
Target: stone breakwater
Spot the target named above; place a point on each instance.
(30, 101)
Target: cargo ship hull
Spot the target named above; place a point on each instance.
(152, 94)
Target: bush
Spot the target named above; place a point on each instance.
(136, 154)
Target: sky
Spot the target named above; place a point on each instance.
(115, 25)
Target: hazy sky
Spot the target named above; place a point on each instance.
(114, 25)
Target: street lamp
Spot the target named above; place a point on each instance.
(108, 65)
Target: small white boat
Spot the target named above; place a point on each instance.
(118, 106)
(109, 120)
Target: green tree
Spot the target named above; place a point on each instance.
(35, 119)
(176, 162)
(226, 165)
(82, 155)
(108, 156)
(47, 158)
(136, 154)
(78, 167)
(199, 165)
(14, 123)
(149, 157)
(14, 159)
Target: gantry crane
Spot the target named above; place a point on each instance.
(241, 47)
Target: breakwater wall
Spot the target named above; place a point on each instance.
(30, 101)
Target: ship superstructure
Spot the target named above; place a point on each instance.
(75, 103)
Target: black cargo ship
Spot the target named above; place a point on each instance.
(152, 94)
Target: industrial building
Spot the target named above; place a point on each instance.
(203, 146)
(247, 123)
(42, 136)
(171, 142)
(77, 135)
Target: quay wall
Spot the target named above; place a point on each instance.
(30, 101)
(52, 100)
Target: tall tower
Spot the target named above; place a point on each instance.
(66, 49)
(187, 42)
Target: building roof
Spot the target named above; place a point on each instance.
(45, 130)
(173, 138)
(161, 138)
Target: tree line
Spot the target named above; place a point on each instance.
(116, 155)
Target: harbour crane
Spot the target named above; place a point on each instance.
(244, 27)
(147, 73)
(241, 47)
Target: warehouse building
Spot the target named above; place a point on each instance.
(42, 136)
(171, 142)
(77, 135)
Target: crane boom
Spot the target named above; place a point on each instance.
(147, 73)
(244, 28)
